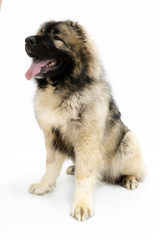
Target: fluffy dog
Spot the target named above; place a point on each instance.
(78, 115)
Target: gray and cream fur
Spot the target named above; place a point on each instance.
(75, 109)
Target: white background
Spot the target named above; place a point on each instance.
(127, 34)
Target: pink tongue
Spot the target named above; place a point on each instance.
(35, 68)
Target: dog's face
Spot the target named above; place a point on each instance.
(58, 50)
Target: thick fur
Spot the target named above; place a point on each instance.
(80, 119)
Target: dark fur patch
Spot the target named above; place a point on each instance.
(114, 109)
(42, 82)
(70, 84)
(121, 138)
(60, 144)
(56, 31)
(49, 26)
(113, 122)
(113, 117)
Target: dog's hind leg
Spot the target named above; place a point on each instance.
(133, 170)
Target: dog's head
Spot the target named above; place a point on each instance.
(59, 50)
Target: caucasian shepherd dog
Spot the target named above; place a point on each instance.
(78, 115)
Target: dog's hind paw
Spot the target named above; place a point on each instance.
(129, 182)
(70, 170)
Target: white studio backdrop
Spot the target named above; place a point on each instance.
(128, 39)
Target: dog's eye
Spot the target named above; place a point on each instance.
(57, 38)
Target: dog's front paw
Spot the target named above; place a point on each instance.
(40, 189)
(82, 212)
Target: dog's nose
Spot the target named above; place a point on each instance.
(31, 41)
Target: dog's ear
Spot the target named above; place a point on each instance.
(74, 25)
(77, 27)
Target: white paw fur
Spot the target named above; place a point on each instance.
(82, 212)
(40, 189)
(130, 182)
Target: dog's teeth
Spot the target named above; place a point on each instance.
(51, 64)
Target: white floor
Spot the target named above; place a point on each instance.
(120, 213)
(128, 38)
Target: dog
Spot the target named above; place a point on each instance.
(78, 115)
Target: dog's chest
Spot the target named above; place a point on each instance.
(51, 111)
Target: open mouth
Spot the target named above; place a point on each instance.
(42, 67)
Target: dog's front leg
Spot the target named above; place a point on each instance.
(54, 160)
(87, 156)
